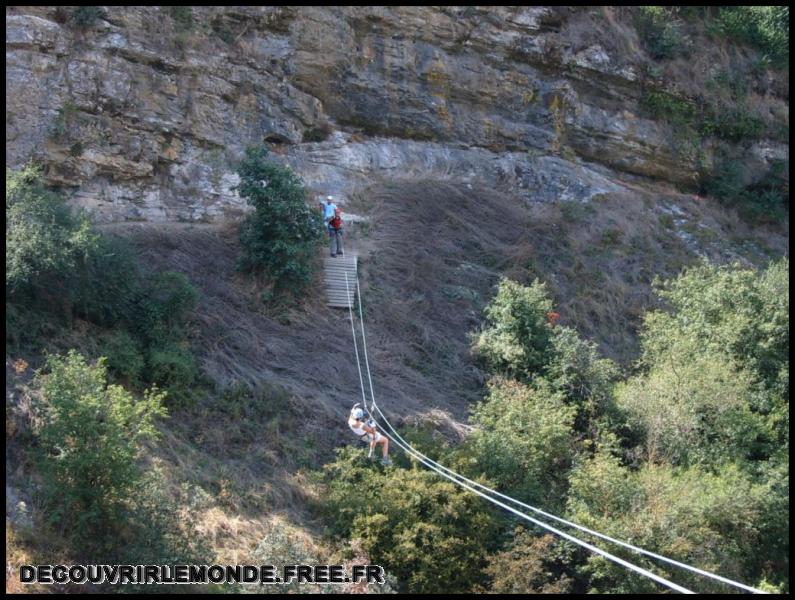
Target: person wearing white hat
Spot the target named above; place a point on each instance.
(328, 209)
(367, 428)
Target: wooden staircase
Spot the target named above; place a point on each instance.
(334, 271)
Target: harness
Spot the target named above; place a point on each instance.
(363, 435)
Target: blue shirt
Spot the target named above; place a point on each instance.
(328, 211)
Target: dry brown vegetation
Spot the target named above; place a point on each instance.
(430, 257)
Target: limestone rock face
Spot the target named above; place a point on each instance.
(142, 112)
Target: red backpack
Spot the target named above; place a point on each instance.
(336, 222)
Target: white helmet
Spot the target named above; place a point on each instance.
(329, 197)
(357, 412)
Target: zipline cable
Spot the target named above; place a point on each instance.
(353, 331)
(409, 450)
(567, 536)
(518, 502)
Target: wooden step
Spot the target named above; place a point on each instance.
(335, 272)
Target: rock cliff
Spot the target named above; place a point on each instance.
(140, 113)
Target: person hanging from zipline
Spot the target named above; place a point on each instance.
(367, 428)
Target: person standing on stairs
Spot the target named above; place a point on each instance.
(335, 233)
(329, 208)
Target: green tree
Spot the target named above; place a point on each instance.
(709, 520)
(694, 408)
(45, 241)
(524, 441)
(432, 535)
(90, 441)
(281, 236)
(529, 565)
(585, 378)
(660, 31)
(766, 27)
(59, 267)
(712, 402)
(518, 339)
(735, 313)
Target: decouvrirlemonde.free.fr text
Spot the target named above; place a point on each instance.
(199, 574)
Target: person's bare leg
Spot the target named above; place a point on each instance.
(386, 446)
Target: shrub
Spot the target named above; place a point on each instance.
(89, 444)
(109, 286)
(518, 338)
(429, 533)
(528, 565)
(732, 124)
(766, 27)
(46, 242)
(581, 374)
(63, 123)
(169, 300)
(281, 237)
(86, 16)
(716, 376)
(694, 408)
(726, 183)
(124, 357)
(765, 201)
(731, 310)
(222, 30)
(182, 17)
(160, 529)
(660, 32)
(59, 267)
(707, 520)
(174, 368)
(317, 134)
(524, 441)
(668, 106)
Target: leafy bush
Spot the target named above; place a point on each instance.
(578, 371)
(531, 564)
(58, 267)
(86, 16)
(63, 125)
(317, 134)
(518, 339)
(159, 530)
(675, 109)
(717, 369)
(732, 124)
(175, 368)
(765, 201)
(727, 309)
(182, 16)
(222, 29)
(108, 287)
(45, 240)
(694, 409)
(124, 356)
(707, 520)
(766, 27)
(169, 300)
(89, 444)
(282, 235)
(524, 441)
(430, 534)
(660, 32)
(522, 342)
